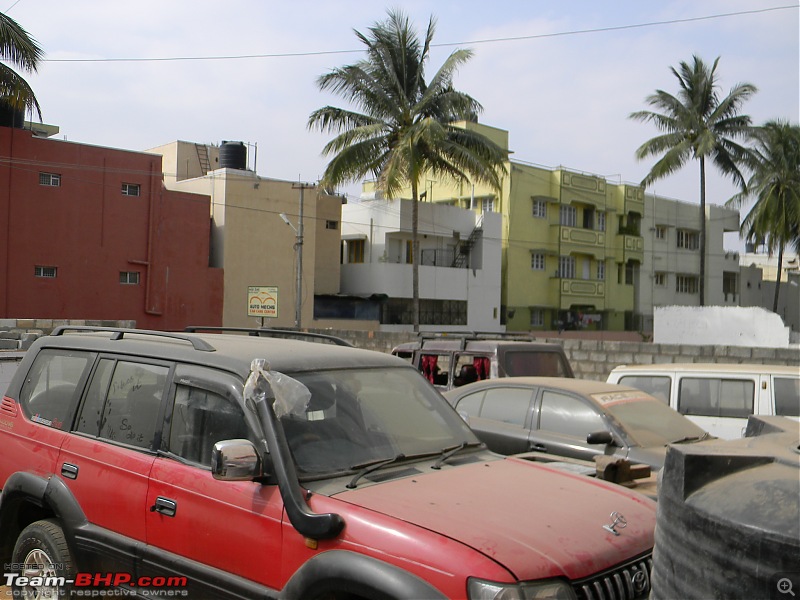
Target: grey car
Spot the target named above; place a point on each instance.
(572, 417)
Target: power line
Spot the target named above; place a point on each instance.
(441, 45)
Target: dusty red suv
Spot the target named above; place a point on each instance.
(247, 466)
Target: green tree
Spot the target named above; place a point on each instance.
(697, 124)
(403, 127)
(23, 52)
(774, 186)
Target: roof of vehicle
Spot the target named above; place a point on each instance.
(712, 368)
(479, 345)
(578, 386)
(231, 352)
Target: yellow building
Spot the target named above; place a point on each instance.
(571, 243)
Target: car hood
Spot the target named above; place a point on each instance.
(513, 510)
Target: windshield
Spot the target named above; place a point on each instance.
(649, 422)
(355, 417)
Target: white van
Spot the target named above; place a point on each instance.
(718, 397)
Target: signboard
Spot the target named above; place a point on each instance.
(262, 301)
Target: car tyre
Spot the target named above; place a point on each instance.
(42, 551)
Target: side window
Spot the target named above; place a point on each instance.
(716, 397)
(509, 405)
(200, 419)
(435, 368)
(736, 397)
(657, 386)
(787, 396)
(694, 397)
(471, 404)
(48, 392)
(131, 395)
(568, 415)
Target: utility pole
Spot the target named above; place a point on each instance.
(299, 251)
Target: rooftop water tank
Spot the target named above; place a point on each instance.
(233, 155)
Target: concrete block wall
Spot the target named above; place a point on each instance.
(19, 334)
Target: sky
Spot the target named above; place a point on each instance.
(561, 76)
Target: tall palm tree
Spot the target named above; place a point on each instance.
(22, 51)
(775, 186)
(697, 124)
(405, 125)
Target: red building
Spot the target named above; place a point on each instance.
(91, 233)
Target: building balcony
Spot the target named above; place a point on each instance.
(581, 241)
(582, 292)
(632, 247)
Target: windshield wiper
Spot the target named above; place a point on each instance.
(447, 453)
(369, 467)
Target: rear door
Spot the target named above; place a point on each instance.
(500, 416)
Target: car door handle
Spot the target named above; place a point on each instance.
(69, 471)
(538, 447)
(165, 506)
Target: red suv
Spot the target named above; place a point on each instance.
(248, 466)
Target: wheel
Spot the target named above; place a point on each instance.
(42, 552)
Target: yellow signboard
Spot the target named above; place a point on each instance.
(262, 301)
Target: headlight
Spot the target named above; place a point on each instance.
(550, 589)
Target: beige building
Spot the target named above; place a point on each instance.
(253, 242)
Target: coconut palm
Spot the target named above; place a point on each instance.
(22, 51)
(697, 124)
(403, 127)
(775, 187)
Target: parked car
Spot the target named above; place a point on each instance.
(246, 466)
(718, 397)
(450, 361)
(572, 417)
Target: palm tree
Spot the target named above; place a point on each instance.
(405, 127)
(22, 51)
(697, 124)
(775, 186)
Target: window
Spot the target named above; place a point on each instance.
(355, 251)
(537, 317)
(509, 405)
(131, 189)
(660, 279)
(588, 218)
(50, 179)
(601, 270)
(658, 387)
(129, 277)
(686, 284)
(568, 415)
(566, 267)
(568, 216)
(661, 232)
(601, 221)
(46, 272)
(471, 405)
(487, 205)
(688, 240)
(409, 252)
(537, 261)
(716, 397)
(539, 209)
(787, 396)
(331, 224)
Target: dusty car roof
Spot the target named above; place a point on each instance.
(580, 386)
(714, 368)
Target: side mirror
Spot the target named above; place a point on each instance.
(236, 460)
(600, 437)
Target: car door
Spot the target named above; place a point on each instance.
(500, 416)
(106, 463)
(226, 534)
(561, 423)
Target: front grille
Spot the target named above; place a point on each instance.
(630, 581)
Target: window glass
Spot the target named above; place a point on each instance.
(569, 415)
(716, 397)
(656, 386)
(736, 397)
(509, 405)
(471, 404)
(50, 388)
(787, 396)
(92, 410)
(200, 419)
(130, 413)
(518, 363)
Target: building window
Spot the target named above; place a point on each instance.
(688, 240)
(601, 270)
(686, 284)
(537, 261)
(131, 189)
(487, 205)
(331, 224)
(568, 216)
(409, 252)
(660, 279)
(50, 179)
(601, 221)
(539, 209)
(537, 317)
(661, 232)
(129, 277)
(355, 251)
(46, 272)
(566, 267)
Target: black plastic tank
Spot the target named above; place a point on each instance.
(728, 520)
(233, 155)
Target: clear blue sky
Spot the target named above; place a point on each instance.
(565, 99)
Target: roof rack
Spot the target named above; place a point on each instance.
(267, 332)
(119, 332)
(468, 336)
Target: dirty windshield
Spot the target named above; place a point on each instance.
(649, 422)
(358, 416)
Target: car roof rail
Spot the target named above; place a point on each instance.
(467, 336)
(274, 332)
(119, 333)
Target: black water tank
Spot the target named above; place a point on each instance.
(233, 155)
